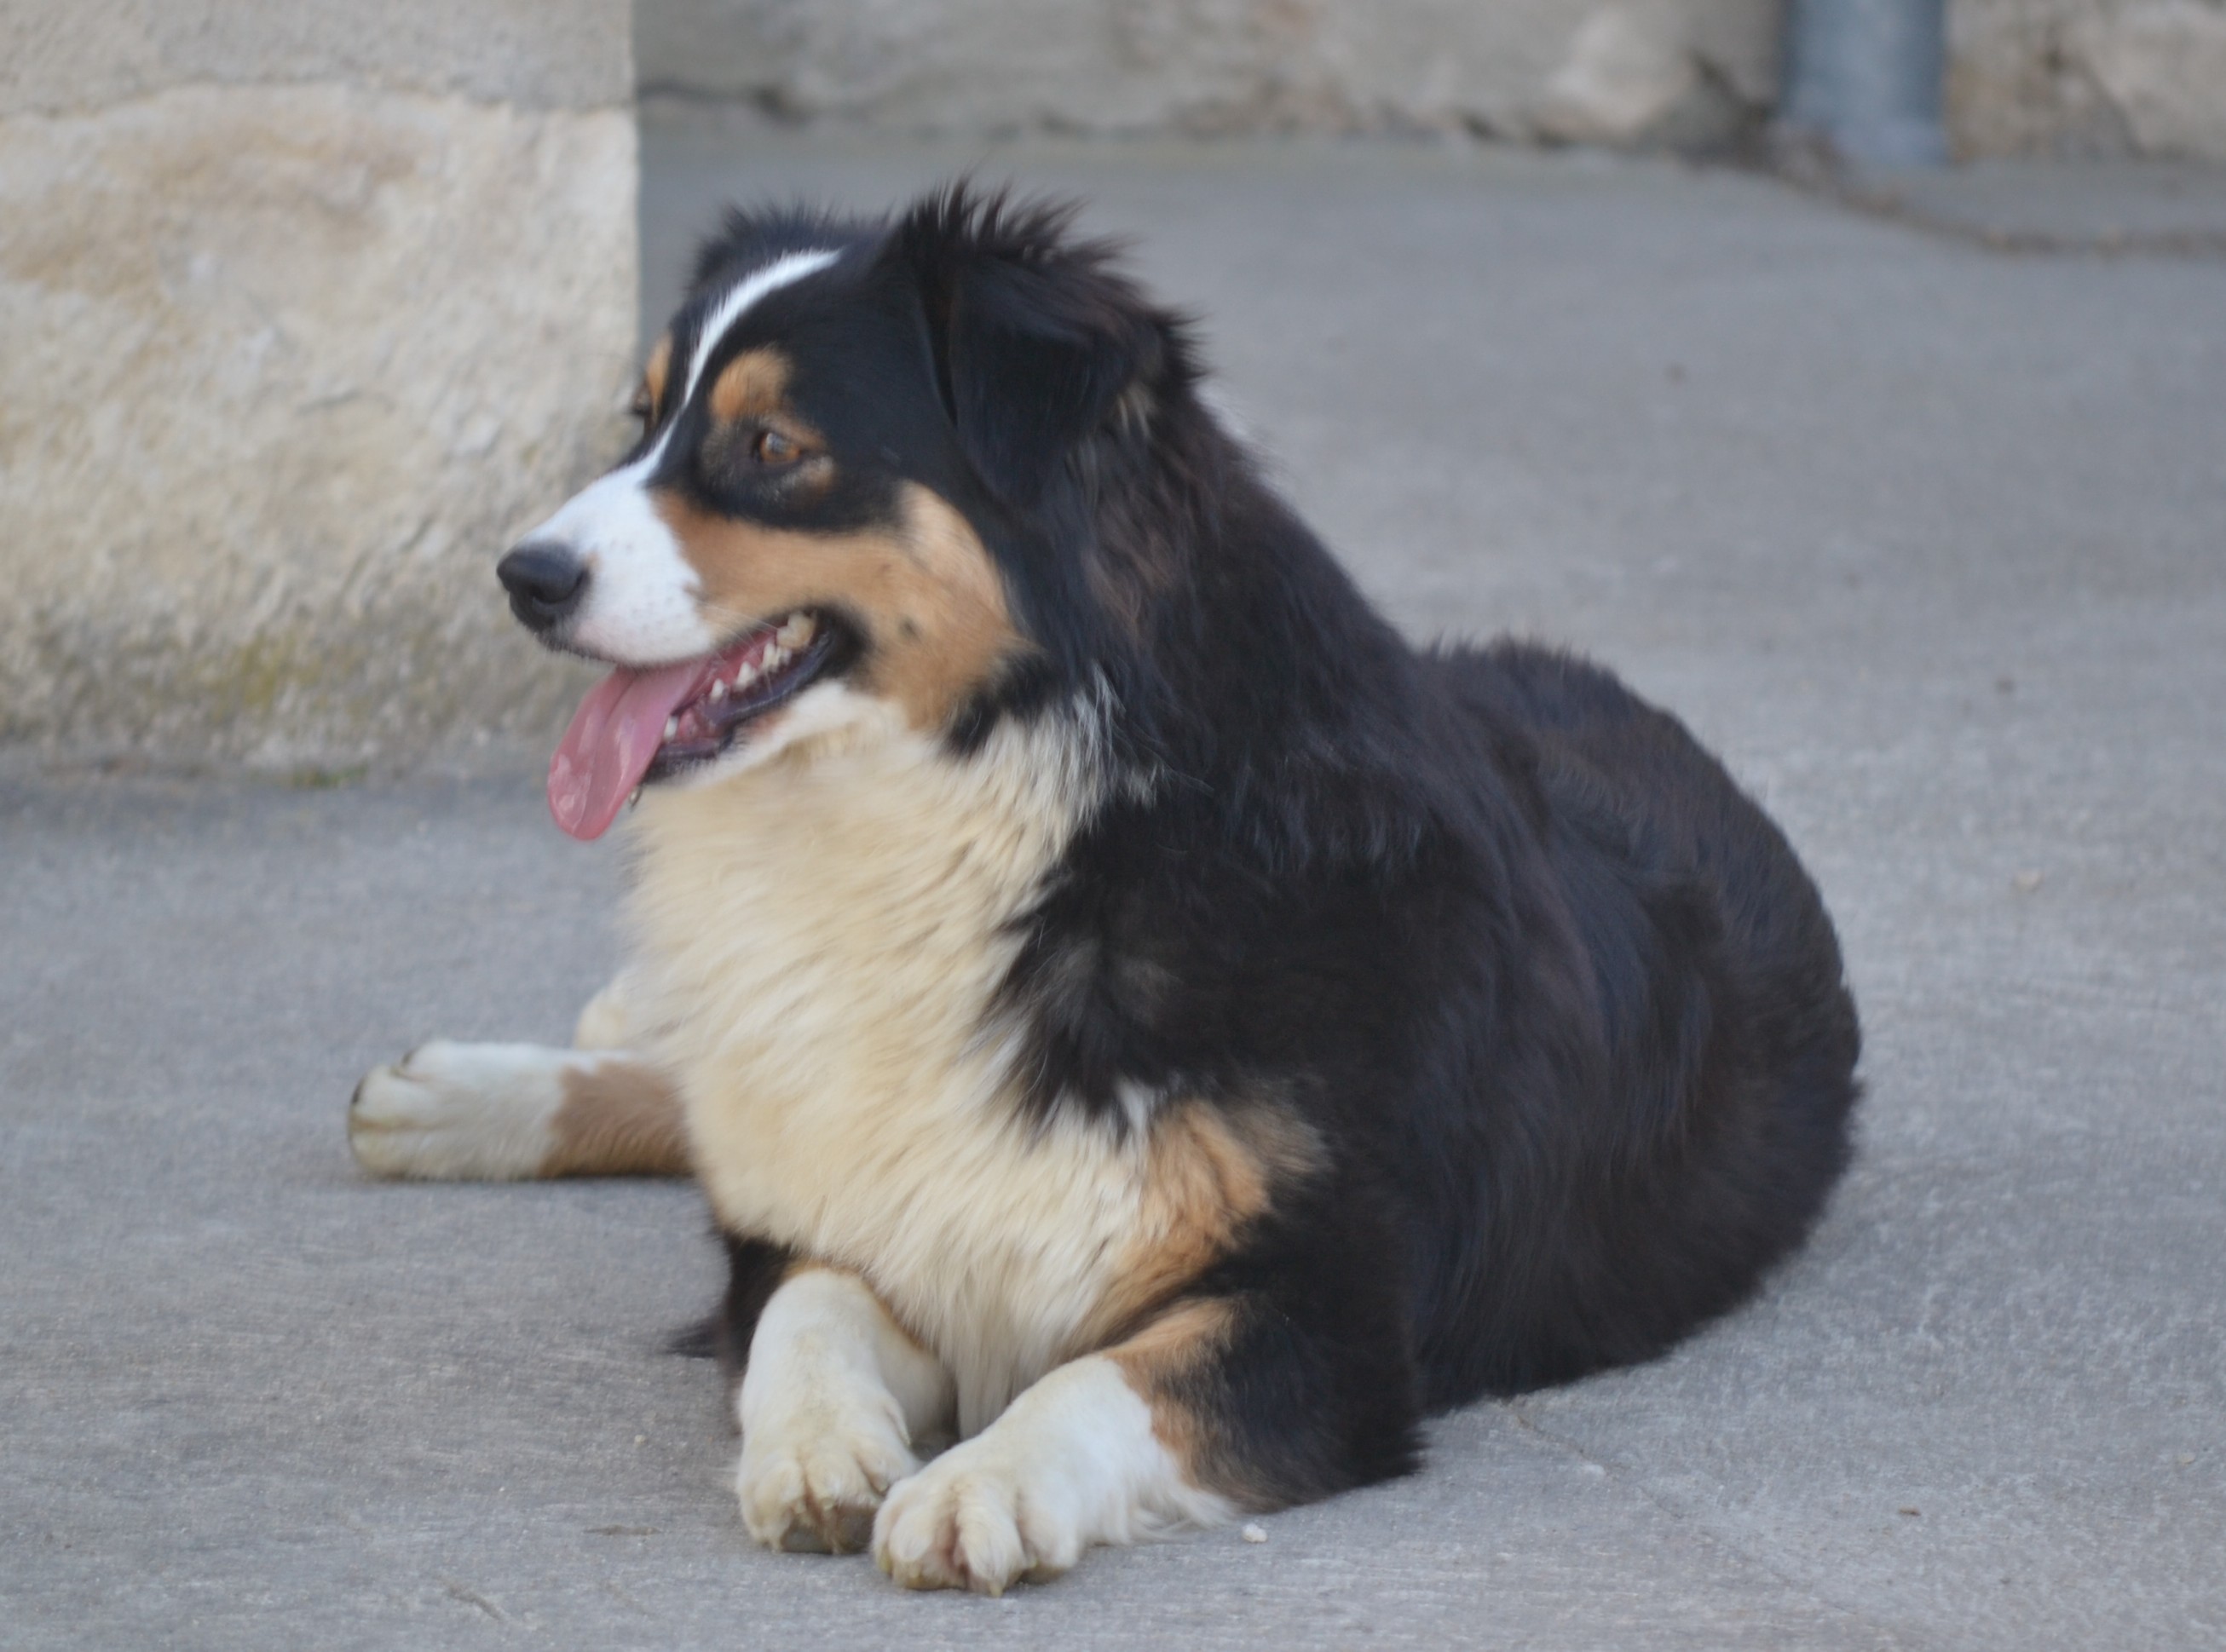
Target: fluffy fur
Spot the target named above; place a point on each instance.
(1130, 1010)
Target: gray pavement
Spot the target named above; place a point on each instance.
(1929, 541)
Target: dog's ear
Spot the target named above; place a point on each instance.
(1034, 339)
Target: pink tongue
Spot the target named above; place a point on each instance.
(614, 736)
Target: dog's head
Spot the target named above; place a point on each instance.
(865, 490)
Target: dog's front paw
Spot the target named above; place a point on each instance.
(458, 1112)
(812, 1476)
(978, 1517)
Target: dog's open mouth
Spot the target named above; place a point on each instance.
(640, 725)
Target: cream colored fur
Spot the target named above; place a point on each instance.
(820, 935)
(611, 1019)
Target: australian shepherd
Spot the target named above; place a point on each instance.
(1148, 1036)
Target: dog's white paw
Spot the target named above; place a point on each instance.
(459, 1112)
(979, 1517)
(814, 1470)
(1073, 1461)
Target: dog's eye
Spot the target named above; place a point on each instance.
(771, 446)
(642, 407)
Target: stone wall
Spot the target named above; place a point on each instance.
(2089, 77)
(309, 307)
(1624, 71)
(2027, 76)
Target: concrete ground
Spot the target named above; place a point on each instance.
(1929, 540)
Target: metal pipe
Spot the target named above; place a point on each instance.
(1865, 77)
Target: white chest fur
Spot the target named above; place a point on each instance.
(822, 934)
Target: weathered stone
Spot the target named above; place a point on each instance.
(2087, 77)
(2012, 91)
(73, 55)
(2082, 77)
(1215, 66)
(2164, 66)
(285, 367)
(1632, 77)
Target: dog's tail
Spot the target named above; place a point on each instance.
(698, 1340)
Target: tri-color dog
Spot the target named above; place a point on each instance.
(1132, 1015)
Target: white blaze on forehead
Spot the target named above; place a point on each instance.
(640, 606)
(781, 272)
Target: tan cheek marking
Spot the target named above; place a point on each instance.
(1210, 1173)
(750, 386)
(948, 628)
(1158, 1363)
(653, 375)
(926, 589)
(617, 1118)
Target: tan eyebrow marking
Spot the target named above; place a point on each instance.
(749, 386)
(778, 274)
(655, 372)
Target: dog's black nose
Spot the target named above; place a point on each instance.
(544, 582)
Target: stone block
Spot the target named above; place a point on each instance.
(2163, 64)
(295, 345)
(78, 54)
(2088, 78)
(1622, 71)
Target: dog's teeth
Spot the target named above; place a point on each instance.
(672, 727)
(775, 657)
(795, 630)
(634, 796)
(746, 676)
(718, 692)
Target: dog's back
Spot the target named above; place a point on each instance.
(1694, 1113)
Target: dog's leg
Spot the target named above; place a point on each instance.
(832, 1400)
(613, 1019)
(1220, 1406)
(498, 1112)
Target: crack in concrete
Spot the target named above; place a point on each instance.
(473, 1598)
